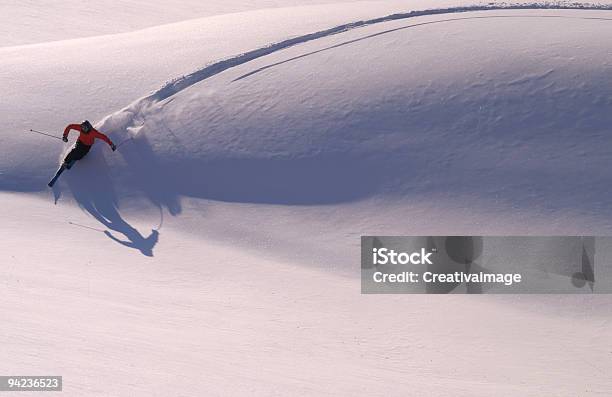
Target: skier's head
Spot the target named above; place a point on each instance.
(86, 126)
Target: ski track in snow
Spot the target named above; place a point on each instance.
(131, 118)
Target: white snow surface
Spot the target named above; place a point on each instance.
(217, 251)
(36, 21)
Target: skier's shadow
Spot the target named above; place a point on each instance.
(92, 188)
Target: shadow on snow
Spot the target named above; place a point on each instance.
(90, 183)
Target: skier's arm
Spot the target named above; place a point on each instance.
(71, 127)
(106, 139)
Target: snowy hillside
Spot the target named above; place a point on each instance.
(96, 76)
(30, 22)
(216, 252)
(359, 114)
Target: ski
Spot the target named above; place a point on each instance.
(57, 175)
(62, 168)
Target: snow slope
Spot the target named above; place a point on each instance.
(345, 117)
(207, 318)
(216, 253)
(30, 22)
(119, 68)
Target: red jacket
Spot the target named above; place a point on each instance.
(87, 138)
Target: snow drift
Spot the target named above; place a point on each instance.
(413, 109)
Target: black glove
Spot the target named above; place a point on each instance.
(113, 147)
(65, 139)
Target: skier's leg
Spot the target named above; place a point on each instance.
(57, 174)
(78, 152)
(70, 157)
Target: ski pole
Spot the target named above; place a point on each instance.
(124, 141)
(85, 227)
(44, 133)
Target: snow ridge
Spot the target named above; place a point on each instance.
(132, 117)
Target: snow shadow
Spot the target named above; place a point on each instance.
(320, 179)
(149, 176)
(91, 186)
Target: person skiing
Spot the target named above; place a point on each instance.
(87, 137)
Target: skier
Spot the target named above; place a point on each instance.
(87, 136)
